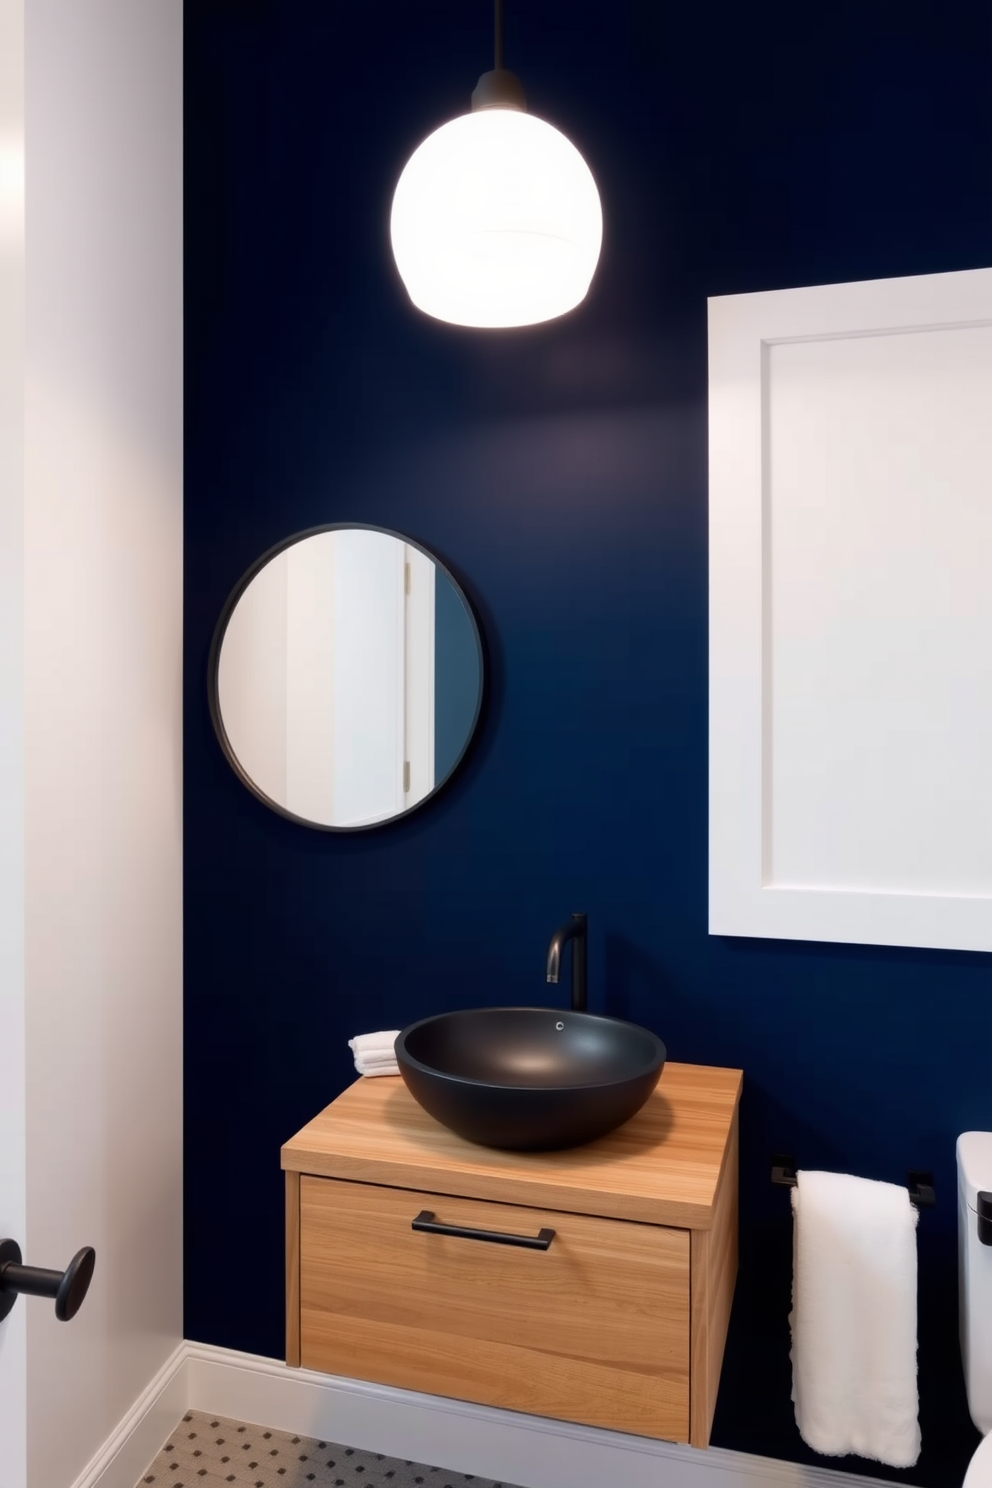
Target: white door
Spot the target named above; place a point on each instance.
(90, 759)
(418, 669)
(368, 641)
(370, 628)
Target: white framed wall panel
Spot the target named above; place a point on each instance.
(851, 612)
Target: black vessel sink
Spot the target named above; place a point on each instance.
(529, 1079)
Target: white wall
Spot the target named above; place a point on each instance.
(102, 621)
(251, 678)
(309, 679)
(13, 1336)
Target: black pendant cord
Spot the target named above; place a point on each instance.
(499, 88)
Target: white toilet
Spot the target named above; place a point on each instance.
(975, 1295)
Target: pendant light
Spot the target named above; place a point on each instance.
(496, 218)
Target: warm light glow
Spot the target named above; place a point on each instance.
(496, 221)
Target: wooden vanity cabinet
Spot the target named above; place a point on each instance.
(620, 1321)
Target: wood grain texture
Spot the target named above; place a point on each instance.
(594, 1330)
(293, 1270)
(714, 1272)
(662, 1167)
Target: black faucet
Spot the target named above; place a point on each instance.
(575, 931)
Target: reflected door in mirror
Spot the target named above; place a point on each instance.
(347, 678)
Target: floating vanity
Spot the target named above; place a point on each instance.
(619, 1320)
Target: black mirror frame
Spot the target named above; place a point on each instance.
(213, 673)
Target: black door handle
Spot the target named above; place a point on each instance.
(68, 1287)
(425, 1221)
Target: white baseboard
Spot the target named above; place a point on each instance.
(505, 1446)
(126, 1453)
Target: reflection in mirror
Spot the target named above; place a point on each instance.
(346, 677)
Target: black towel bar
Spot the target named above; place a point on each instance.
(919, 1183)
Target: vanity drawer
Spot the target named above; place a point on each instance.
(594, 1329)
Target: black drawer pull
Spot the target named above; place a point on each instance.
(426, 1221)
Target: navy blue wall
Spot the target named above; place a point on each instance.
(561, 472)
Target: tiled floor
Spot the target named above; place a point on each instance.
(206, 1451)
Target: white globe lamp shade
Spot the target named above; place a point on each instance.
(496, 221)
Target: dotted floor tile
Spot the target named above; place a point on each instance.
(209, 1451)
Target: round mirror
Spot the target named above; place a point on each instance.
(345, 677)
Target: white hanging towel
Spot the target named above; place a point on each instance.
(375, 1053)
(854, 1318)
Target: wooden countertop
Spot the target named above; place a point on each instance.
(661, 1167)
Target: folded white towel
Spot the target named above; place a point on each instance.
(374, 1043)
(375, 1053)
(854, 1318)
